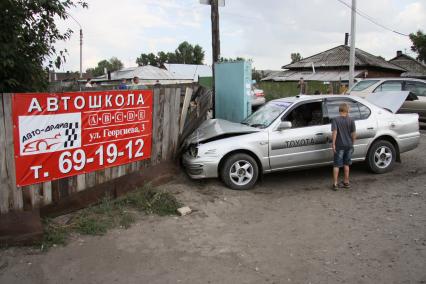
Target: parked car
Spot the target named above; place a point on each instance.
(417, 87)
(295, 132)
(257, 97)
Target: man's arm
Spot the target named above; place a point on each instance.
(333, 137)
(353, 132)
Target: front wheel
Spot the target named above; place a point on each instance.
(381, 157)
(240, 171)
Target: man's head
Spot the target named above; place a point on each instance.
(136, 80)
(343, 109)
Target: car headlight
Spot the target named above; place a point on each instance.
(193, 151)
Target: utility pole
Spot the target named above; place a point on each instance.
(352, 48)
(81, 45)
(81, 53)
(214, 5)
(215, 46)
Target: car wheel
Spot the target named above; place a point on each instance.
(240, 171)
(381, 157)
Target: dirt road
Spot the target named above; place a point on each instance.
(290, 229)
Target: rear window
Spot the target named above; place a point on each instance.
(389, 86)
(360, 86)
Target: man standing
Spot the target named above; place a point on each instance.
(343, 135)
(301, 86)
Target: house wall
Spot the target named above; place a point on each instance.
(276, 90)
(380, 74)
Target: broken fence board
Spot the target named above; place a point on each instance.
(186, 101)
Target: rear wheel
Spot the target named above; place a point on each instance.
(381, 157)
(240, 171)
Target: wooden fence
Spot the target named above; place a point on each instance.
(171, 104)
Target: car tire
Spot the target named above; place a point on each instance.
(239, 171)
(381, 157)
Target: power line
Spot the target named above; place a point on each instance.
(371, 19)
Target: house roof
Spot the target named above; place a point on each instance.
(319, 75)
(189, 71)
(146, 72)
(339, 57)
(414, 67)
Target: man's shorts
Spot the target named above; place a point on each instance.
(343, 157)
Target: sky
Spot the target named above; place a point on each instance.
(265, 31)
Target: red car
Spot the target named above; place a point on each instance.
(42, 144)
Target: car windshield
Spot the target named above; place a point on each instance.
(265, 115)
(360, 86)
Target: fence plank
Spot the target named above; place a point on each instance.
(166, 125)
(47, 193)
(4, 187)
(81, 182)
(15, 195)
(186, 101)
(174, 124)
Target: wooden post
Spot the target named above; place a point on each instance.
(15, 196)
(215, 43)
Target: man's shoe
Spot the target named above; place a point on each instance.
(346, 185)
(335, 187)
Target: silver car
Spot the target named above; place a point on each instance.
(416, 86)
(295, 132)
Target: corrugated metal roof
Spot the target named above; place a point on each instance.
(147, 72)
(339, 57)
(414, 67)
(331, 76)
(189, 71)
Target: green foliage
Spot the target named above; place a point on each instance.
(276, 90)
(224, 59)
(295, 57)
(113, 64)
(111, 213)
(185, 53)
(419, 45)
(27, 36)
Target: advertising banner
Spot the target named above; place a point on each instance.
(66, 134)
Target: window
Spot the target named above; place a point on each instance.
(357, 110)
(417, 88)
(265, 115)
(389, 86)
(308, 114)
(364, 111)
(360, 86)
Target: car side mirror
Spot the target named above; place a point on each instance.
(284, 125)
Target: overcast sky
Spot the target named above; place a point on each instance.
(266, 31)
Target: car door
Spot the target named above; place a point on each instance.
(301, 145)
(365, 123)
(416, 106)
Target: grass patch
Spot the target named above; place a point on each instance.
(110, 213)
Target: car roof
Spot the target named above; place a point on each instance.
(301, 98)
(393, 79)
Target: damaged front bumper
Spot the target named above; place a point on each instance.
(201, 167)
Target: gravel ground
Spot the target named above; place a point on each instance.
(290, 229)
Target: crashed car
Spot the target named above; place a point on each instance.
(295, 132)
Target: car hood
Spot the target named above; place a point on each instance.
(218, 128)
(389, 100)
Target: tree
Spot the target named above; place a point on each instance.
(295, 57)
(419, 45)
(224, 59)
(111, 65)
(27, 36)
(185, 53)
